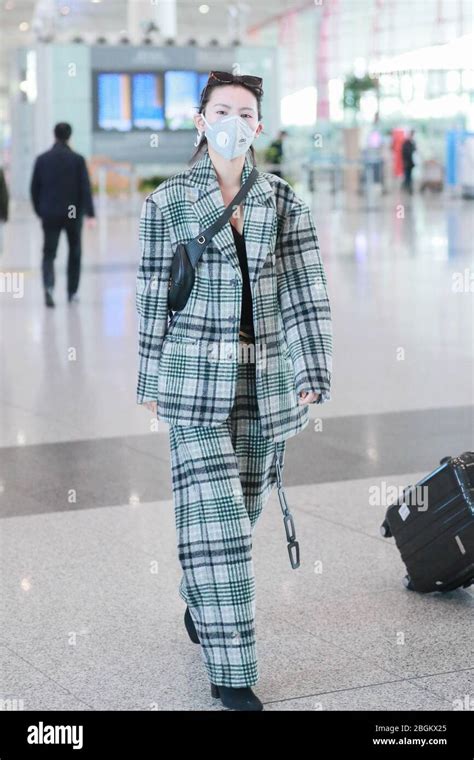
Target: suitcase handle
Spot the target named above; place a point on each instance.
(461, 476)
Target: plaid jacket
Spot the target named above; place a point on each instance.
(188, 359)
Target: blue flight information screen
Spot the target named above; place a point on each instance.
(147, 101)
(113, 96)
(182, 95)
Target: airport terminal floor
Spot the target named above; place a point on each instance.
(89, 567)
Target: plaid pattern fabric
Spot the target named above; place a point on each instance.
(222, 476)
(188, 359)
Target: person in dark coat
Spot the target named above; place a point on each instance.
(3, 197)
(408, 149)
(274, 152)
(61, 195)
(3, 206)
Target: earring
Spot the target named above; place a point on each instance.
(196, 142)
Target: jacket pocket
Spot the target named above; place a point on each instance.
(180, 339)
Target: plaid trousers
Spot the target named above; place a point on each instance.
(221, 478)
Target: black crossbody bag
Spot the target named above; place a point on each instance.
(188, 254)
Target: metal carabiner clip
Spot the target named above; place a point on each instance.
(293, 545)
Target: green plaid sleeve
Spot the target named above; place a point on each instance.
(304, 302)
(152, 296)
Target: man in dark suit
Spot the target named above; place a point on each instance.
(61, 196)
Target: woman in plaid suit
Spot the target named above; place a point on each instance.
(232, 391)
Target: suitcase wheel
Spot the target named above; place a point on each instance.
(407, 582)
(385, 531)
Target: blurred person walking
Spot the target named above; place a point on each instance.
(4, 198)
(260, 291)
(61, 195)
(408, 150)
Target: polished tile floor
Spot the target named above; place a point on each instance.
(90, 615)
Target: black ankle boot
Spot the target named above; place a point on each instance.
(48, 297)
(236, 699)
(188, 622)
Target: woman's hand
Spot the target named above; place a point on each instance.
(307, 397)
(151, 405)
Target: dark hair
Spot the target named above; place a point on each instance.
(205, 96)
(62, 131)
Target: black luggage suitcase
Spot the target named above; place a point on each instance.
(433, 527)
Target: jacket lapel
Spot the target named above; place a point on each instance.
(260, 218)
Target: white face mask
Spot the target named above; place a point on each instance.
(230, 136)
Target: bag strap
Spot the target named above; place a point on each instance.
(293, 545)
(197, 246)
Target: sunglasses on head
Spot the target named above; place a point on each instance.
(228, 78)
